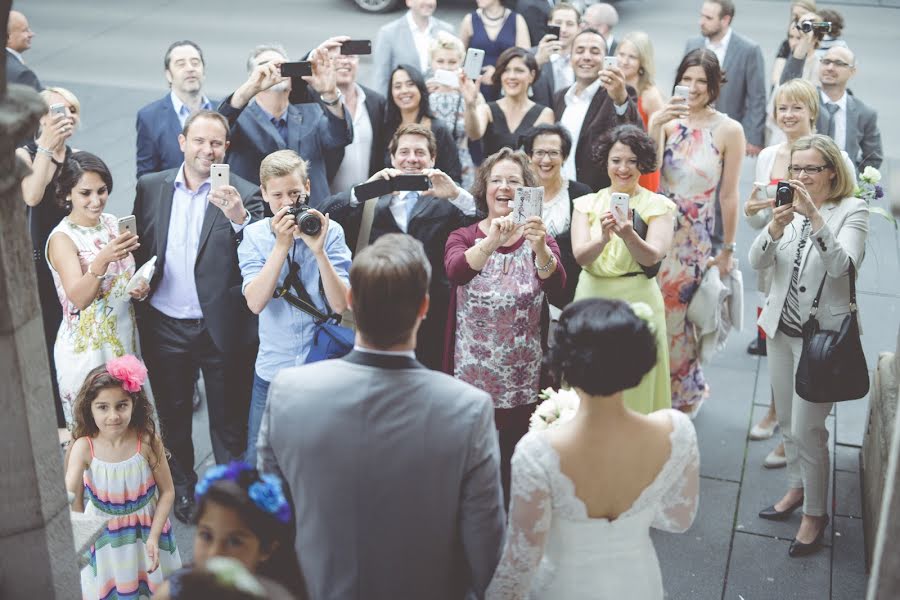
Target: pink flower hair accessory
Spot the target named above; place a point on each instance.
(129, 370)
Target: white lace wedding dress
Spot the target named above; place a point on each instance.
(555, 550)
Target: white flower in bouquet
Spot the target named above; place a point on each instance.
(870, 175)
(557, 408)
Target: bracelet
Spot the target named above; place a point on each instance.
(90, 272)
(334, 102)
(731, 247)
(482, 250)
(546, 267)
(46, 151)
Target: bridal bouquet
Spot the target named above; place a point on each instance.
(557, 407)
(869, 188)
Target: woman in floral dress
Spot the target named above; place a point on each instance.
(91, 264)
(703, 149)
(499, 315)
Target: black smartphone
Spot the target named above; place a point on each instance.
(357, 47)
(296, 69)
(411, 183)
(553, 30)
(373, 189)
(784, 194)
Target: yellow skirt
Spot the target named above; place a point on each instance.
(654, 392)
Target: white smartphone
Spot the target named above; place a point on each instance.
(610, 62)
(447, 78)
(771, 189)
(759, 190)
(219, 175)
(681, 91)
(618, 206)
(58, 109)
(474, 60)
(128, 224)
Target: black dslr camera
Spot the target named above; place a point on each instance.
(820, 28)
(306, 222)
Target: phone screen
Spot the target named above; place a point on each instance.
(296, 69)
(356, 47)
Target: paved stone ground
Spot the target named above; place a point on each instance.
(110, 53)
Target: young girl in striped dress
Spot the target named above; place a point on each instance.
(117, 465)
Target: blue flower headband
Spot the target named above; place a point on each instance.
(265, 492)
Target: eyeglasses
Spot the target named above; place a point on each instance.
(511, 182)
(540, 154)
(809, 170)
(827, 62)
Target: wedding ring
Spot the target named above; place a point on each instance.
(225, 202)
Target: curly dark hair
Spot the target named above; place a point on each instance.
(601, 346)
(709, 62)
(479, 188)
(74, 168)
(546, 129)
(635, 138)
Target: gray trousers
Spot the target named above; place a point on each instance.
(802, 426)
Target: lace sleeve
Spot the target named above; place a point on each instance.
(529, 522)
(681, 490)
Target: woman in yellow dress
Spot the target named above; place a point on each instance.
(617, 261)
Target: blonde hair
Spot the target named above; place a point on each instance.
(798, 90)
(281, 164)
(807, 5)
(644, 47)
(842, 185)
(446, 41)
(68, 96)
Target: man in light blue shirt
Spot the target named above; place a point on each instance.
(268, 249)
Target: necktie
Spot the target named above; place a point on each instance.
(411, 199)
(832, 108)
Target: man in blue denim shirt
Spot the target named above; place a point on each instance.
(285, 332)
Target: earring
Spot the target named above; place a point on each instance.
(530, 91)
(641, 71)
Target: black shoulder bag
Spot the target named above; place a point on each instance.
(832, 366)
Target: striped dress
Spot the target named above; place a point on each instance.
(126, 493)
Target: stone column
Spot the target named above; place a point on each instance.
(37, 558)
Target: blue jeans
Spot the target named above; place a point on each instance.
(257, 406)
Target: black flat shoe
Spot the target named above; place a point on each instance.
(774, 515)
(184, 509)
(757, 347)
(798, 549)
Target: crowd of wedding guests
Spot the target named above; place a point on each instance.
(407, 469)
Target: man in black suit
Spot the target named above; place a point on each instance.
(195, 316)
(18, 40)
(428, 216)
(597, 102)
(359, 160)
(160, 122)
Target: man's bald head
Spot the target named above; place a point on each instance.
(18, 33)
(838, 66)
(602, 17)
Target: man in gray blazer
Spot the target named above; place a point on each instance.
(18, 40)
(406, 41)
(743, 96)
(851, 124)
(393, 468)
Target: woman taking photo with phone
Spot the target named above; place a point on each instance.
(811, 240)
(616, 260)
(702, 153)
(500, 124)
(502, 274)
(91, 263)
(795, 112)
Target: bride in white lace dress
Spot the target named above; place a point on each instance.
(586, 493)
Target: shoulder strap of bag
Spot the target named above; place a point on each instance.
(851, 272)
(365, 226)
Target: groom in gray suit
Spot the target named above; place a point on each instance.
(393, 468)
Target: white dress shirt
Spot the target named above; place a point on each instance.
(720, 47)
(16, 54)
(573, 118)
(422, 40)
(840, 119)
(355, 166)
(408, 353)
(183, 111)
(563, 74)
(398, 207)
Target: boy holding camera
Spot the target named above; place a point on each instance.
(299, 253)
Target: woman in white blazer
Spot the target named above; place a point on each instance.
(817, 235)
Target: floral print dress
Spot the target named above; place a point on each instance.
(690, 175)
(106, 328)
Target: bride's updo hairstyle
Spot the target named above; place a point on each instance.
(602, 347)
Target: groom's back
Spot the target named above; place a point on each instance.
(394, 475)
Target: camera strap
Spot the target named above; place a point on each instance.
(301, 300)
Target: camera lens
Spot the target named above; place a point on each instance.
(309, 223)
(784, 195)
(806, 26)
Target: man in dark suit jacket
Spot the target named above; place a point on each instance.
(852, 124)
(554, 55)
(429, 217)
(195, 316)
(18, 40)
(263, 120)
(160, 122)
(360, 159)
(597, 102)
(743, 96)
(536, 14)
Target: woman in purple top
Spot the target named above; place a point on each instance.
(493, 28)
(499, 314)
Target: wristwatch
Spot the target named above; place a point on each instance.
(731, 247)
(332, 102)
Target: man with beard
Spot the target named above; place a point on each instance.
(263, 120)
(159, 123)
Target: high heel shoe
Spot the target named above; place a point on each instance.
(772, 514)
(798, 549)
